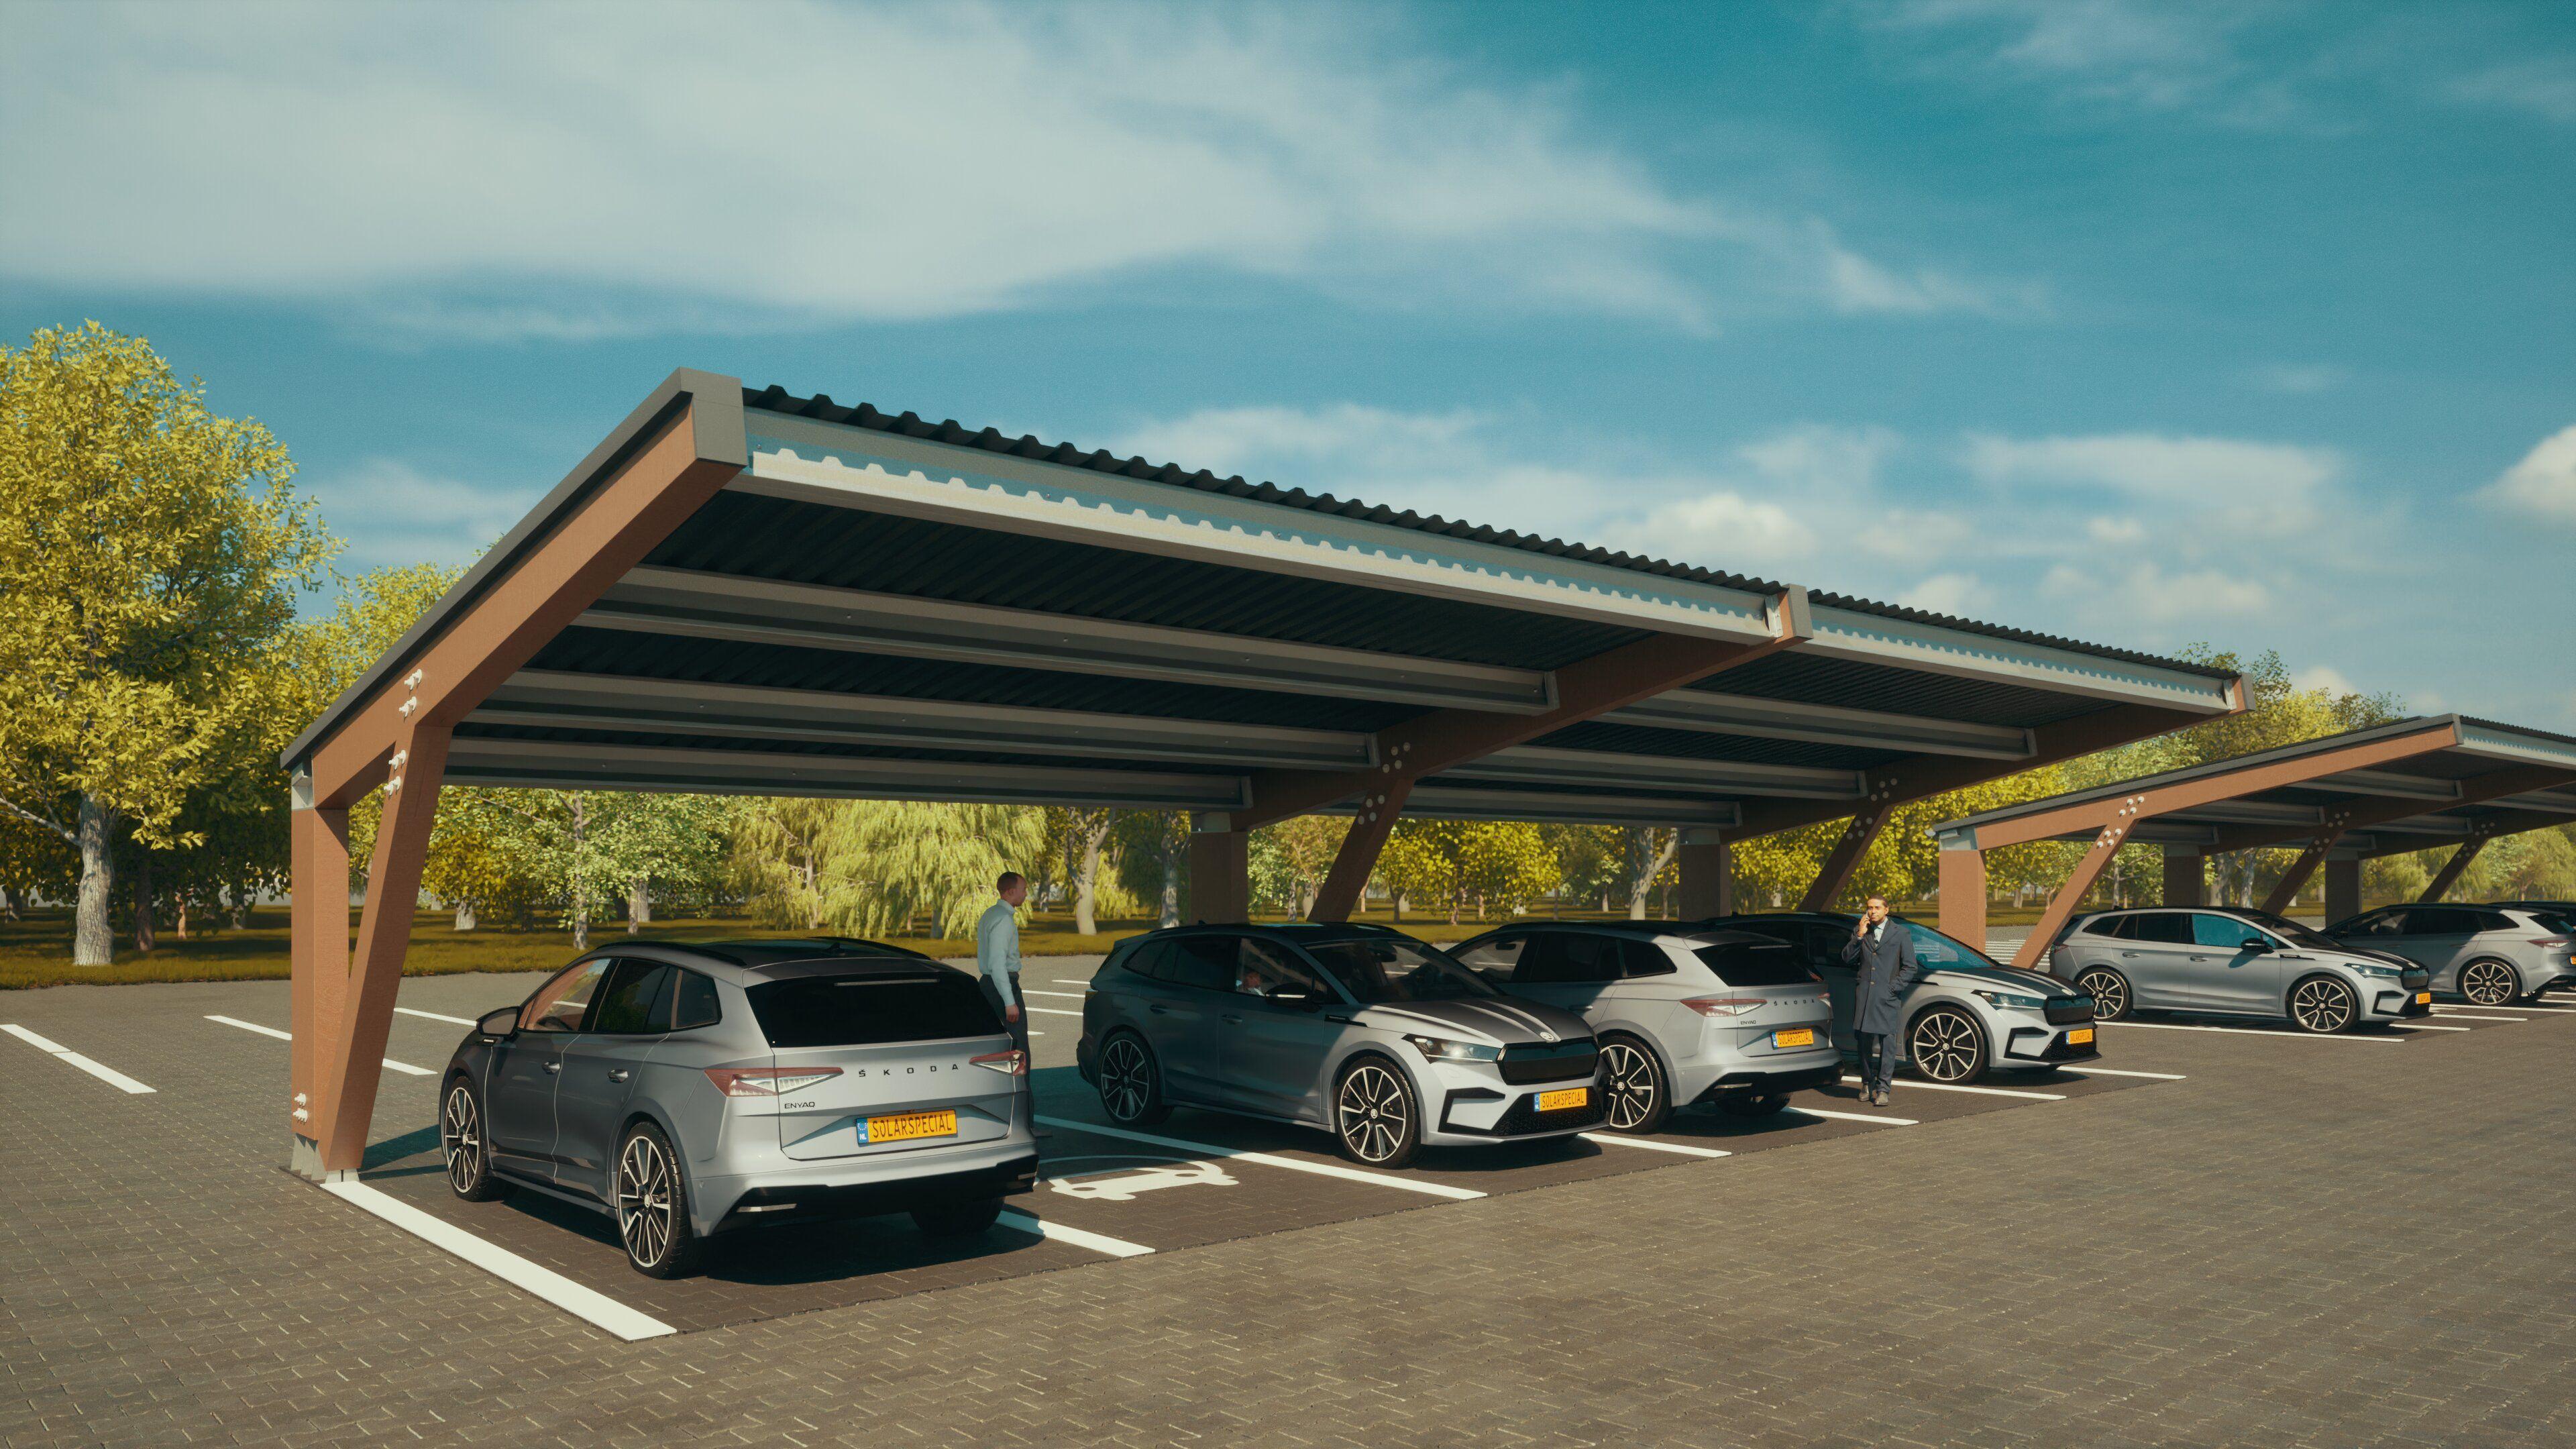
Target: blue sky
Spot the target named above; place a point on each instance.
(2145, 323)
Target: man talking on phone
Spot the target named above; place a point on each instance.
(1883, 953)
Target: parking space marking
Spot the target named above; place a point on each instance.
(1096, 1242)
(1651, 1144)
(66, 1055)
(435, 1016)
(2422, 1026)
(2258, 1031)
(1980, 1091)
(1852, 1117)
(1053, 1011)
(2473, 1016)
(1033, 991)
(391, 1065)
(587, 1304)
(1293, 1164)
(2112, 1072)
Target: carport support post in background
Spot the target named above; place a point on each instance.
(1708, 875)
(2287, 889)
(318, 948)
(1963, 892)
(2186, 876)
(2343, 887)
(2449, 875)
(1220, 871)
(1859, 833)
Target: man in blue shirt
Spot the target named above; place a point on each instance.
(997, 953)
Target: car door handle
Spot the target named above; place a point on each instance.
(552, 1067)
(1232, 1020)
(1156, 1009)
(619, 1074)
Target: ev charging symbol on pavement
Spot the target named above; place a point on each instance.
(1139, 1174)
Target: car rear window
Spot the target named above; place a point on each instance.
(1756, 963)
(865, 1010)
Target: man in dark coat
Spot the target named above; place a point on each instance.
(1882, 953)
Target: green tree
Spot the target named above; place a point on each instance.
(1297, 853)
(895, 860)
(150, 552)
(1587, 861)
(1153, 860)
(1080, 835)
(782, 860)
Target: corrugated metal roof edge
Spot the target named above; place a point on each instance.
(2258, 757)
(912, 425)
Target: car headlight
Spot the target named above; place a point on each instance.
(2010, 1001)
(1440, 1050)
(2373, 968)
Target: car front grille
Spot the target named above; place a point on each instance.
(1566, 1061)
(2416, 980)
(2069, 1010)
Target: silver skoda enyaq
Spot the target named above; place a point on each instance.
(1378, 1038)
(1686, 1016)
(690, 1090)
(2491, 955)
(2234, 962)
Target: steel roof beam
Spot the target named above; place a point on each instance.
(1653, 773)
(694, 604)
(1435, 801)
(1702, 712)
(2386, 782)
(560, 765)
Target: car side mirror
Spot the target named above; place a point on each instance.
(504, 1022)
(2257, 944)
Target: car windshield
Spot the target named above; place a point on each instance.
(1394, 968)
(1934, 949)
(2290, 931)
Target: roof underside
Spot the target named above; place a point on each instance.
(893, 609)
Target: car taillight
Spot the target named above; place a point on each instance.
(2549, 940)
(766, 1081)
(1725, 1005)
(1009, 1064)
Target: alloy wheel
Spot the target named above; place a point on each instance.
(2321, 1005)
(2110, 994)
(1125, 1083)
(460, 1131)
(1945, 1046)
(2488, 983)
(1371, 1112)
(644, 1200)
(1628, 1082)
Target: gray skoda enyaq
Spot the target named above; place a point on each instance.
(2492, 955)
(2230, 961)
(690, 1090)
(1378, 1038)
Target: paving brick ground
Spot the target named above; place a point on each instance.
(2306, 1242)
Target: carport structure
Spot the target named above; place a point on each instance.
(757, 593)
(2347, 798)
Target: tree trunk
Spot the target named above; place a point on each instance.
(1395, 901)
(1641, 888)
(143, 903)
(639, 905)
(241, 908)
(1086, 882)
(1171, 912)
(93, 937)
(180, 928)
(8, 905)
(465, 919)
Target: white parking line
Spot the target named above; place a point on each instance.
(1061, 981)
(1033, 991)
(1096, 1242)
(589, 1305)
(390, 1064)
(1053, 1011)
(2467, 1015)
(1648, 1142)
(1980, 1091)
(2255, 1031)
(66, 1055)
(1852, 1117)
(2422, 1026)
(2109, 1072)
(435, 1016)
(1293, 1164)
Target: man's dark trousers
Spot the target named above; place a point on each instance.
(1879, 1052)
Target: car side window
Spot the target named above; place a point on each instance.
(2225, 933)
(2172, 928)
(2440, 921)
(628, 1003)
(2376, 923)
(1560, 957)
(1151, 960)
(1262, 968)
(1823, 945)
(2112, 926)
(1206, 962)
(693, 1003)
(560, 1004)
(1496, 953)
(1644, 958)
(2490, 920)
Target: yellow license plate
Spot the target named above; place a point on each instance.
(1559, 1101)
(1802, 1036)
(905, 1126)
(2080, 1036)
(2423, 998)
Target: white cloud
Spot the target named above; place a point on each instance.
(465, 170)
(2271, 489)
(2322, 676)
(2543, 484)
(2146, 55)
(1231, 440)
(1950, 593)
(398, 514)
(2115, 530)
(2146, 589)
(1724, 525)
(2298, 378)
(2543, 86)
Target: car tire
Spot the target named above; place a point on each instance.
(1636, 1095)
(2489, 982)
(2323, 1005)
(958, 1219)
(650, 1196)
(1946, 1045)
(467, 1151)
(1749, 1107)
(1131, 1082)
(1377, 1119)
(2112, 999)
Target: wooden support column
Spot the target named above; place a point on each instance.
(2343, 888)
(2449, 875)
(2297, 875)
(1844, 858)
(2186, 876)
(1220, 871)
(1963, 894)
(351, 1058)
(318, 955)
(1708, 875)
(1347, 881)
(2070, 895)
